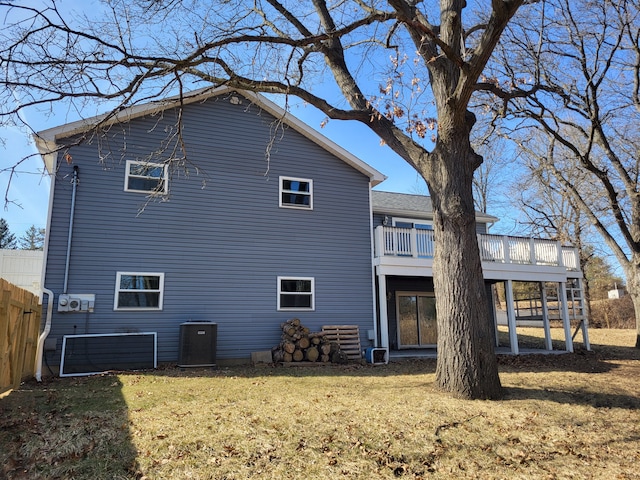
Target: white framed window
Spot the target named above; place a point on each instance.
(413, 223)
(296, 293)
(296, 193)
(146, 177)
(138, 291)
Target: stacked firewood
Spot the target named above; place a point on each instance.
(299, 344)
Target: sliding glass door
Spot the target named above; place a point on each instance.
(416, 314)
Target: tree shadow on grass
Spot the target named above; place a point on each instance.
(66, 428)
(574, 397)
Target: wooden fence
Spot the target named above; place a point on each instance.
(20, 314)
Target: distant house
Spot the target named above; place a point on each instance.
(22, 268)
(267, 220)
(615, 293)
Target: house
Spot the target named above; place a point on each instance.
(267, 220)
(264, 220)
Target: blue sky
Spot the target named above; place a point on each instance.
(26, 201)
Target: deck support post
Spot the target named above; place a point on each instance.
(511, 317)
(494, 294)
(585, 317)
(545, 317)
(384, 319)
(564, 311)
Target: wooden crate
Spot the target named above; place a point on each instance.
(347, 337)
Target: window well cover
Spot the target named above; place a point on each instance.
(97, 353)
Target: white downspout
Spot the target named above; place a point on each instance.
(44, 334)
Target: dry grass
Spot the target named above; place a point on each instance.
(563, 417)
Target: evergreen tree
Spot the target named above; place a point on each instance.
(33, 239)
(7, 239)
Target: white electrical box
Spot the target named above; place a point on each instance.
(76, 302)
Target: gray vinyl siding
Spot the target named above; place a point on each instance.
(221, 246)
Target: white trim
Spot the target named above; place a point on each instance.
(312, 294)
(165, 177)
(281, 190)
(47, 236)
(373, 273)
(160, 290)
(384, 314)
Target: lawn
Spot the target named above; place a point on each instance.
(566, 416)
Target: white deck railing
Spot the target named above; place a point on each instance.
(417, 243)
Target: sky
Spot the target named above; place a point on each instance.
(25, 196)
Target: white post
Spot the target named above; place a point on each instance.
(511, 318)
(532, 252)
(585, 318)
(494, 294)
(505, 248)
(564, 311)
(414, 243)
(560, 254)
(384, 320)
(545, 318)
(378, 242)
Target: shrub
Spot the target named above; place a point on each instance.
(613, 313)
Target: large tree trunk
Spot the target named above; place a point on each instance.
(633, 288)
(467, 364)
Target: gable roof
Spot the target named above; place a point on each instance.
(48, 146)
(411, 205)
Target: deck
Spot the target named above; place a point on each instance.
(401, 251)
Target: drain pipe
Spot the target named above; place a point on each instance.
(44, 334)
(70, 235)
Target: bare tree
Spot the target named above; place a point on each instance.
(489, 180)
(549, 210)
(575, 66)
(405, 69)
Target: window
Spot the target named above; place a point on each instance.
(296, 193)
(139, 291)
(412, 223)
(146, 177)
(296, 293)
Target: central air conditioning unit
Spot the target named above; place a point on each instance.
(80, 302)
(198, 341)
